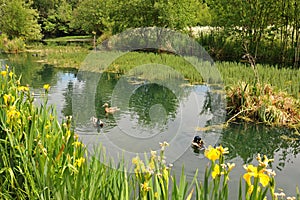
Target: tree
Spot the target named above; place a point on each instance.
(55, 16)
(19, 20)
(93, 15)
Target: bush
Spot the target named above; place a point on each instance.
(11, 46)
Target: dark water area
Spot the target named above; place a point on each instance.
(151, 112)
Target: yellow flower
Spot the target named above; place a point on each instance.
(79, 161)
(145, 187)
(23, 88)
(156, 195)
(135, 160)
(77, 144)
(222, 150)
(250, 189)
(230, 166)
(212, 153)
(165, 173)
(3, 73)
(48, 136)
(47, 87)
(264, 162)
(216, 171)
(264, 179)
(11, 74)
(8, 98)
(153, 154)
(12, 113)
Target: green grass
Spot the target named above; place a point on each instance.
(69, 38)
(282, 79)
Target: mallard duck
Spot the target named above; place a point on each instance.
(198, 143)
(97, 122)
(110, 110)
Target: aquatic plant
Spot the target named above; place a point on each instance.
(259, 103)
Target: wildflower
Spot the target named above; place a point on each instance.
(79, 161)
(48, 136)
(230, 166)
(3, 73)
(277, 195)
(165, 173)
(222, 150)
(46, 87)
(264, 162)
(163, 145)
(11, 74)
(76, 136)
(8, 98)
(212, 153)
(135, 160)
(145, 187)
(156, 195)
(256, 173)
(250, 189)
(23, 88)
(77, 144)
(216, 171)
(153, 154)
(12, 113)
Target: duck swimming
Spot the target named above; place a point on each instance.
(198, 143)
(97, 122)
(110, 110)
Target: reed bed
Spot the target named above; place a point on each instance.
(259, 103)
(281, 79)
(42, 158)
(61, 56)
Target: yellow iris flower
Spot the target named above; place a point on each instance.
(47, 87)
(12, 113)
(255, 172)
(8, 98)
(3, 73)
(212, 153)
(216, 171)
(79, 161)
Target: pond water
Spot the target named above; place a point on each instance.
(151, 112)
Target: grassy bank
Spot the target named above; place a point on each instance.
(42, 158)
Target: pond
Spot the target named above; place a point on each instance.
(153, 111)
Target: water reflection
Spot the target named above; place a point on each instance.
(247, 140)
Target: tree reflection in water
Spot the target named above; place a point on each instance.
(247, 140)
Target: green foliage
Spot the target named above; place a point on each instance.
(253, 23)
(18, 19)
(11, 46)
(116, 16)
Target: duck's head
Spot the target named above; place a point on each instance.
(197, 139)
(105, 105)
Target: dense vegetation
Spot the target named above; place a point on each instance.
(42, 158)
(269, 30)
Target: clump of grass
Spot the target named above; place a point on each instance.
(284, 79)
(62, 56)
(261, 104)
